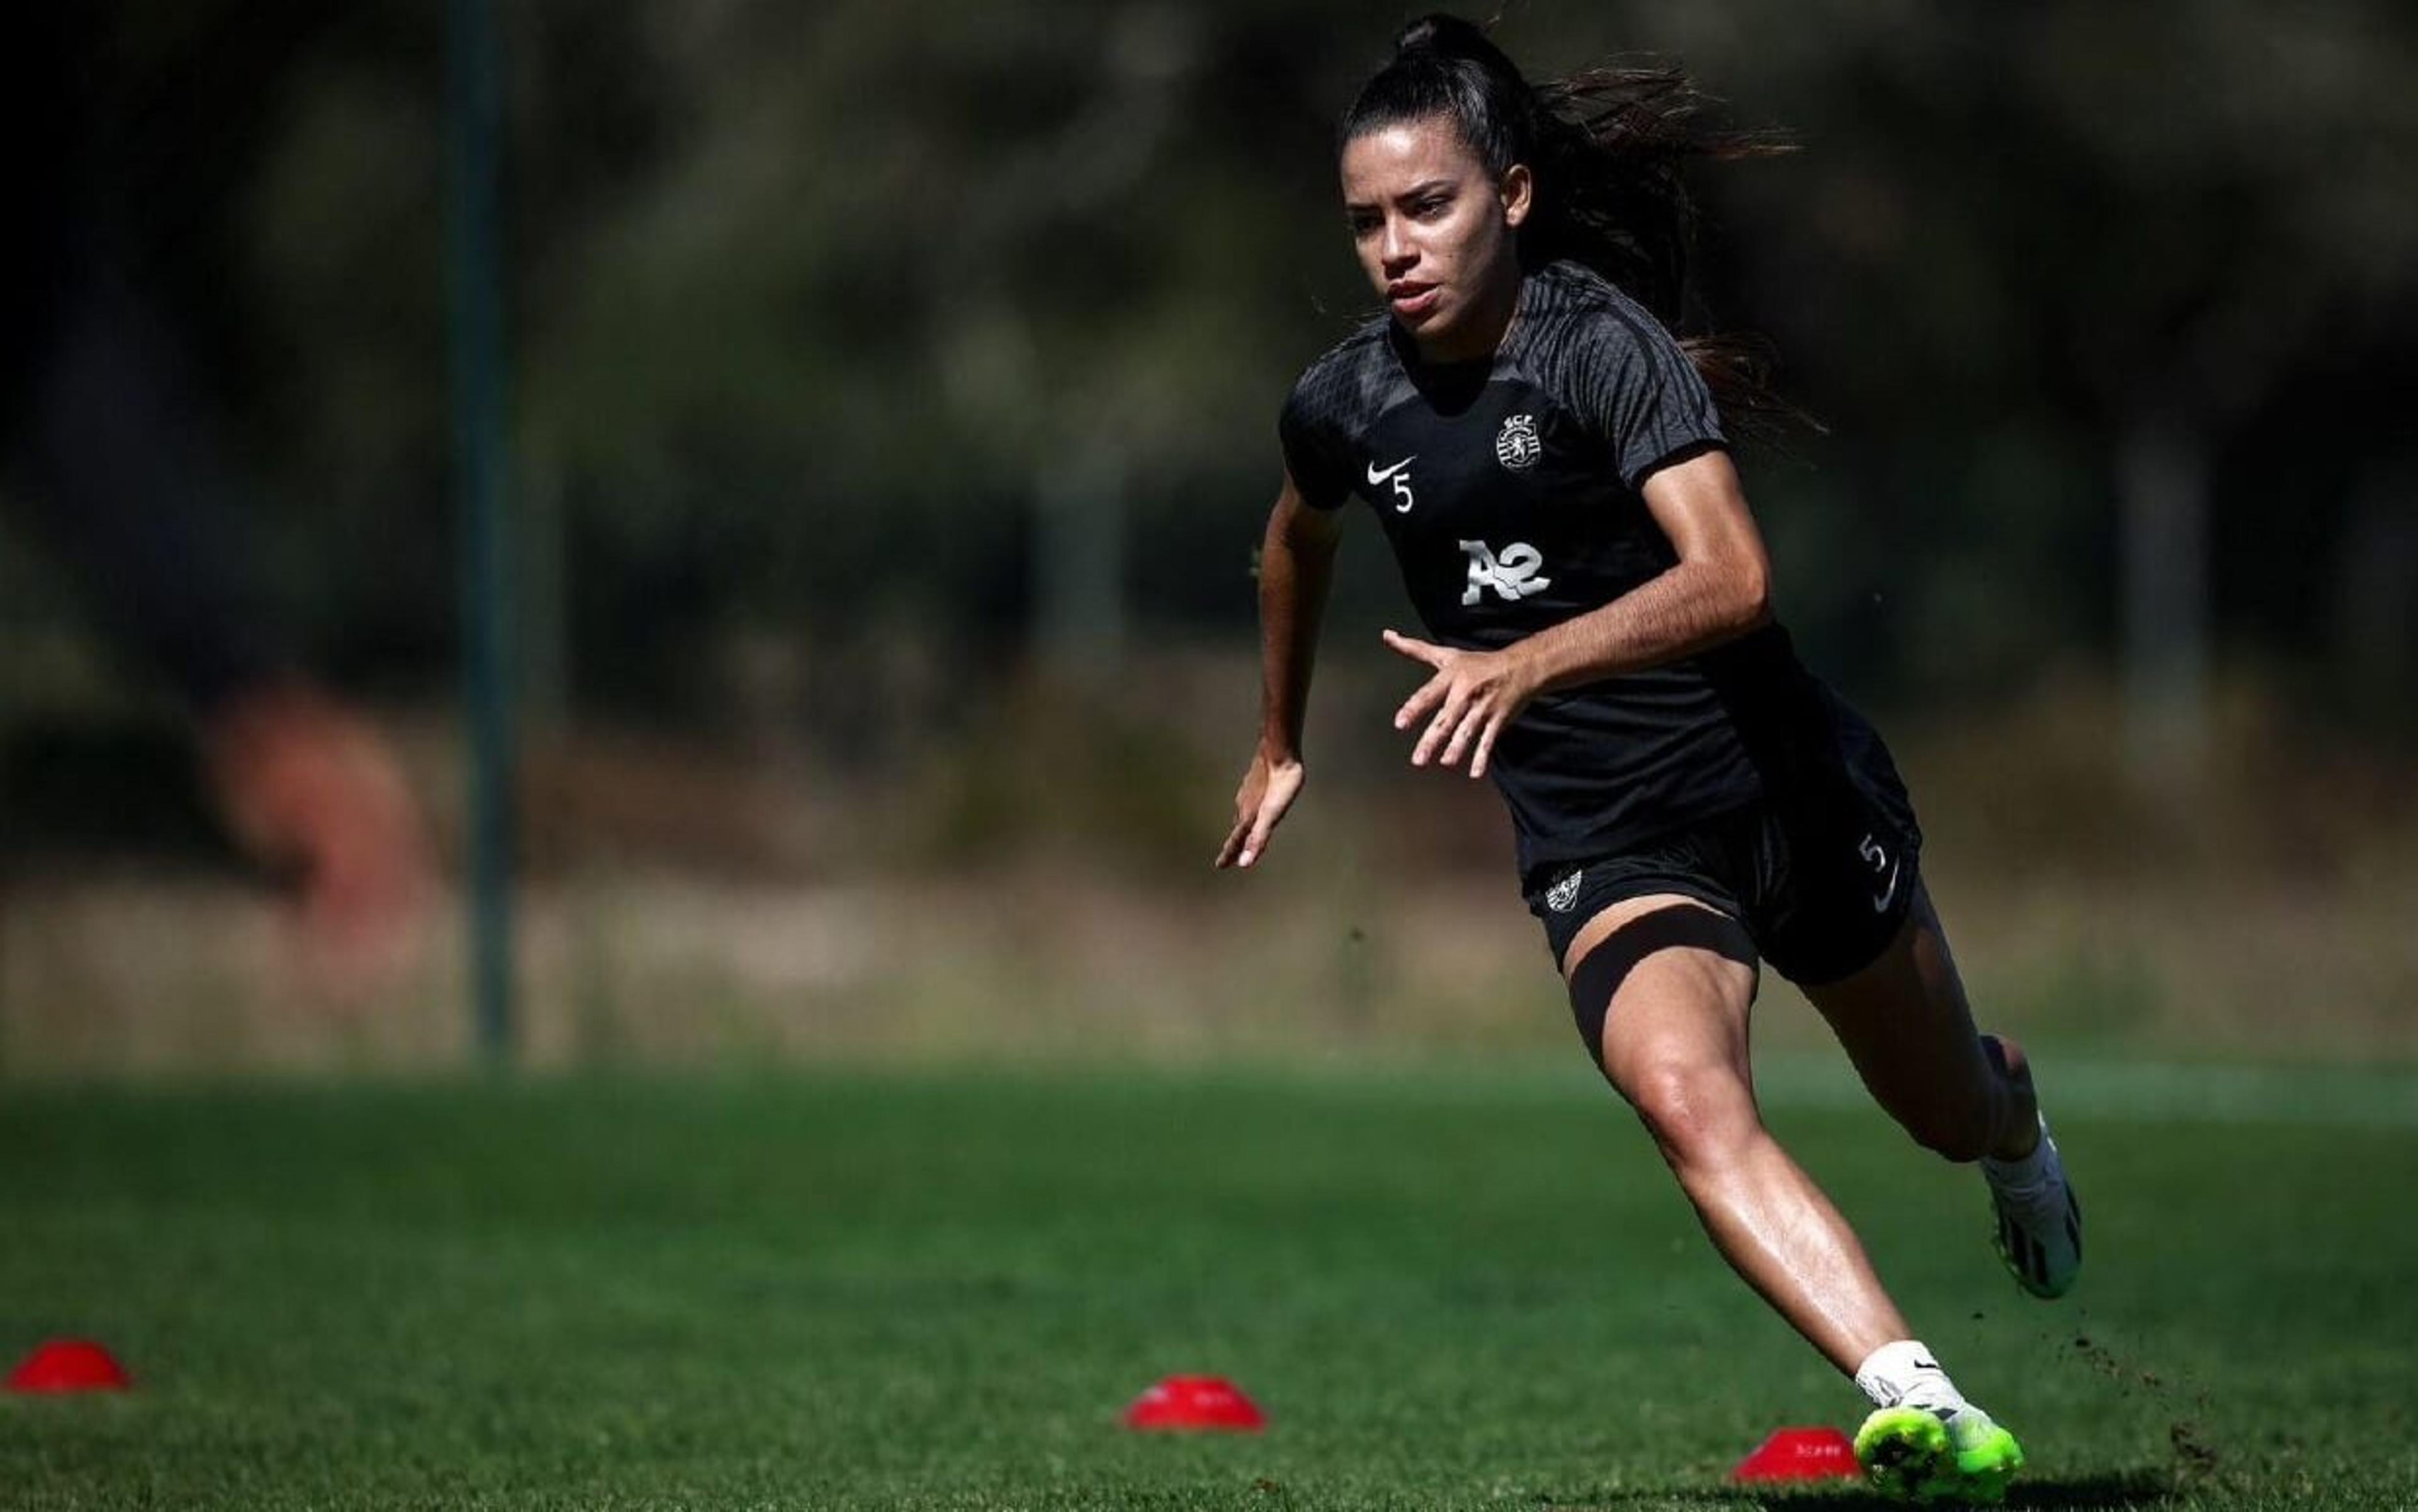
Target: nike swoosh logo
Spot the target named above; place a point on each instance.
(1376, 476)
(1890, 892)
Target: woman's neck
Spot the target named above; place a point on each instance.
(1489, 321)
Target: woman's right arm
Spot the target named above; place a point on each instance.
(1296, 565)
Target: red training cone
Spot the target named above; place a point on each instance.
(1194, 1402)
(70, 1365)
(1801, 1454)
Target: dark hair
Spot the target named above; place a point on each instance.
(1606, 147)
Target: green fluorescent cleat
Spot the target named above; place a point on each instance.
(1911, 1454)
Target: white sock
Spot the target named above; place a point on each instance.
(2025, 1175)
(1904, 1374)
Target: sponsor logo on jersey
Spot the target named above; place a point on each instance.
(1401, 476)
(1562, 894)
(1511, 574)
(1515, 445)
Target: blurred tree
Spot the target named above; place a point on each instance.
(856, 323)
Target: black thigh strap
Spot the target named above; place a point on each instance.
(1606, 966)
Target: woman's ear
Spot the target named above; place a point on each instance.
(1518, 190)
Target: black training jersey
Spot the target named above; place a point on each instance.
(1508, 488)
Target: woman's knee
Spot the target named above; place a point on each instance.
(2006, 1058)
(1965, 1122)
(1701, 1113)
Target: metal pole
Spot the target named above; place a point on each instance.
(2162, 474)
(475, 338)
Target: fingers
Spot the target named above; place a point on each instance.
(1456, 708)
(1469, 699)
(1257, 808)
(1273, 805)
(1415, 707)
(1228, 852)
(1417, 650)
(1478, 716)
(1485, 746)
(1257, 841)
(1435, 688)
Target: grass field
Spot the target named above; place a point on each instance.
(938, 1290)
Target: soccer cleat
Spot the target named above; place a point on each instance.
(2040, 1222)
(1914, 1455)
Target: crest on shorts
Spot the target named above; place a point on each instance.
(1565, 893)
(1515, 445)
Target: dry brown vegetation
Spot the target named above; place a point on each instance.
(1036, 886)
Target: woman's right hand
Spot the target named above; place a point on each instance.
(1268, 789)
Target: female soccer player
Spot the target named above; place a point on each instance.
(1549, 465)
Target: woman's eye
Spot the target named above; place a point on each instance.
(1429, 208)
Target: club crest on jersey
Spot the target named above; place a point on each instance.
(1515, 445)
(1513, 574)
(1562, 894)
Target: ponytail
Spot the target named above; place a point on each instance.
(1607, 146)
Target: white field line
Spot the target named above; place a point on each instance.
(2072, 1088)
(2148, 1091)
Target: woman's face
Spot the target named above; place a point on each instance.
(1433, 231)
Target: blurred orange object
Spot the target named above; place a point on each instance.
(310, 788)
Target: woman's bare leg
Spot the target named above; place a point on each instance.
(1905, 1023)
(1674, 1043)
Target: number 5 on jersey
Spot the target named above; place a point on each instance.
(1400, 475)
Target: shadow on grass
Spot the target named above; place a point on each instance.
(2128, 1488)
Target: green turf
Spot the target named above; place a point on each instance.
(938, 1290)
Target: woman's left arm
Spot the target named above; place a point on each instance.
(1717, 591)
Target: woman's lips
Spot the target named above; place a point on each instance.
(1411, 300)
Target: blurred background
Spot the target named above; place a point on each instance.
(878, 436)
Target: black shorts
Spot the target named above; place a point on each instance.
(1820, 872)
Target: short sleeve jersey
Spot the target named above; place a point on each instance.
(1509, 491)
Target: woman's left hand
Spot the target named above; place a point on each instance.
(1473, 695)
